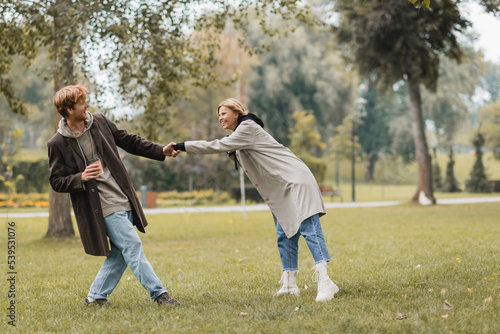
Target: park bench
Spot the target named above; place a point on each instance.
(329, 191)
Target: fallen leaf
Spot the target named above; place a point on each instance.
(177, 317)
(418, 266)
(443, 291)
(469, 289)
(444, 316)
(430, 290)
(243, 314)
(447, 306)
(240, 259)
(306, 286)
(489, 299)
(296, 309)
(400, 316)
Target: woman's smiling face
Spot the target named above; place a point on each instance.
(228, 118)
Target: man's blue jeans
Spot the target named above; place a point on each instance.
(126, 250)
(311, 230)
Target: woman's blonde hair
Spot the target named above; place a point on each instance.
(234, 105)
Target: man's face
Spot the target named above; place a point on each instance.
(79, 111)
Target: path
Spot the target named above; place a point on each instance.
(264, 207)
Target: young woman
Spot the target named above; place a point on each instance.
(286, 185)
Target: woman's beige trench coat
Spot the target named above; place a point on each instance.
(285, 183)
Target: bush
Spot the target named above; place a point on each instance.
(317, 167)
(24, 200)
(29, 176)
(197, 197)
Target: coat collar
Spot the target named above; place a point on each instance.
(250, 116)
(96, 137)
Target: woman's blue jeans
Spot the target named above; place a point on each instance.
(311, 230)
(126, 250)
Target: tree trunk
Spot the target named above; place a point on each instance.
(370, 168)
(422, 150)
(60, 223)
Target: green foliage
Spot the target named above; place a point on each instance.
(373, 128)
(188, 198)
(397, 104)
(341, 143)
(449, 105)
(437, 181)
(421, 3)
(35, 176)
(292, 76)
(185, 173)
(149, 50)
(478, 181)
(29, 177)
(491, 81)
(393, 40)
(305, 142)
(218, 265)
(492, 6)
(450, 183)
(490, 127)
(305, 137)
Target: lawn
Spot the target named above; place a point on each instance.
(406, 259)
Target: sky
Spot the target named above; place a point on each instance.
(488, 28)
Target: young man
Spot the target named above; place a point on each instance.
(103, 198)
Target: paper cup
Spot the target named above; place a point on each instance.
(98, 162)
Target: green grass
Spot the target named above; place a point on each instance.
(218, 265)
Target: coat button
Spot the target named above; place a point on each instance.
(92, 190)
(96, 211)
(256, 185)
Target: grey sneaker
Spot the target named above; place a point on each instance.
(166, 299)
(100, 302)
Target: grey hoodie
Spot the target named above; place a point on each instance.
(66, 131)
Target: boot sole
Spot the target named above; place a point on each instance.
(328, 297)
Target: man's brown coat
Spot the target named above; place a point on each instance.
(66, 164)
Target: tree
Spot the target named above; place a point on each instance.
(374, 128)
(491, 81)
(305, 142)
(490, 124)
(145, 45)
(292, 76)
(436, 172)
(394, 42)
(492, 6)
(450, 182)
(478, 181)
(448, 106)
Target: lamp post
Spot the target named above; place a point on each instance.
(360, 105)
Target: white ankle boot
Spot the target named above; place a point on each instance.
(289, 287)
(326, 288)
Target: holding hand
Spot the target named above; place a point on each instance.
(91, 172)
(169, 150)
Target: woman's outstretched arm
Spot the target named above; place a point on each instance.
(242, 138)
